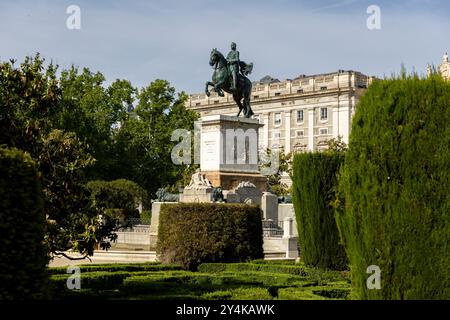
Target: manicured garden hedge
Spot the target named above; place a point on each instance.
(23, 255)
(133, 267)
(314, 182)
(192, 233)
(118, 197)
(253, 280)
(395, 182)
(240, 267)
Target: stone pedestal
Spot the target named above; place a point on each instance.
(229, 151)
(269, 206)
(196, 195)
(245, 192)
(154, 224)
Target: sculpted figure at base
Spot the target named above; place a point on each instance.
(199, 181)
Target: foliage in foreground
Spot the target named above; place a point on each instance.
(159, 281)
(77, 128)
(23, 254)
(120, 198)
(192, 233)
(314, 183)
(395, 183)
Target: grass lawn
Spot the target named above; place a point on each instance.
(256, 280)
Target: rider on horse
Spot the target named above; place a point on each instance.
(233, 64)
(230, 75)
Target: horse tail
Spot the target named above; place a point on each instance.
(246, 68)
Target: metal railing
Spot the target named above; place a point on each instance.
(272, 229)
(136, 225)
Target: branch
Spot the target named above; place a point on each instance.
(72, 258)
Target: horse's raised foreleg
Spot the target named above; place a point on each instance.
(218, 87)
(208, 83)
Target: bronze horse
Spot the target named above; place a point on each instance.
(221, 81)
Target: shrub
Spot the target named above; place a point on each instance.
(192, 233)
(314, 179)
(23, 255)
(239, 267)
(120, 197)
(395, 182)
(133, 267)
(95, 281)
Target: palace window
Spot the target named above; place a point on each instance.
(277, 119)
(323, 131)
(299, 115)
(300, 133)
(276, 136)
(323, 88)
(323, 114)
(300, 91)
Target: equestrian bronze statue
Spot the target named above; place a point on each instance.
(230, 76)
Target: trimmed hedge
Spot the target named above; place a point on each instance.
(101, 280)
(239, 267)
(118, 197)
(314, 183)
(192, 233)
(133, 267)
(23, 255)
(396, 187)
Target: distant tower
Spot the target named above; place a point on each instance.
(444, 67)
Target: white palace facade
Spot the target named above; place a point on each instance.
(298, 114)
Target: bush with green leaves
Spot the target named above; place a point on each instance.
(394, 207)
(314, 179)
(133, 267)
(23, 254)
(192, 233)
(120, 197)
(243, 267)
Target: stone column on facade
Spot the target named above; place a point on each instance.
(336, 121)
(287, 132)
(265, 139)
(311, 129)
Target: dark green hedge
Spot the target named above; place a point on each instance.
(23, 255)
(396, 187)
(132, 267)
(244, 267)
(100, 280)
(314, 182)
(192, 233)
(118, 197)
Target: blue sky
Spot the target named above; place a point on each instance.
(143, 40)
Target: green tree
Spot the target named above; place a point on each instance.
(314, 187)
(73, 220)
(395, 190)
(336, 145)
(120, 198)
(30, 100)
(144, 140)
(284, 162)
(95, 112)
